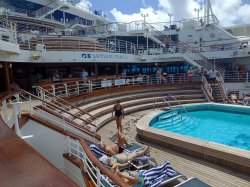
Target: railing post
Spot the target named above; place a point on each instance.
(5, 111)
(133, 80)
(53, 89)
(147, 79)
(78, 148)
(90, 86)
(16, 113)
(69, 145)
(77, 88)
(172, 78)
(30, 104)
(247, 77)
(98, 177)
(66, 90)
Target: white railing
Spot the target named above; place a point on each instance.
(76, 149)
(207, 87)
(66, 89)
(26, 103)
(63, 104)
(8, 31)
(222, 88)
(236, 76)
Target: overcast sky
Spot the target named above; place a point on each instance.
(229, 12)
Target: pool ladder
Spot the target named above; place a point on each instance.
(174, 112)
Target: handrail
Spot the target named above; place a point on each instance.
(65, 111)
(117, 180)
(204, 61)
(178, 103)
(208, 89)
(171, 108)
(62, 100)
(84, 129)
(222, 89)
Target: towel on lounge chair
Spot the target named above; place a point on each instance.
(154, 176)
(97, 151)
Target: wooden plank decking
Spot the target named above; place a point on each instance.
(208, 172)
(22, 166)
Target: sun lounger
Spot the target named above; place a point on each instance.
(134, 147)
(193, 182)
(167, 179)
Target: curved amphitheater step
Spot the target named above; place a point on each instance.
(134, 101)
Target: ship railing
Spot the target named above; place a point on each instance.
(8, 31)
(78, 86)
(222, 88)
(125, 47)
(236, 76)
(65, 105)
(118, 46)
(199, 58)
(161, 37)
(98, 173)
(207, 88)
(22, 102)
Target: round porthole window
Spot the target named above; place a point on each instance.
(212, 35)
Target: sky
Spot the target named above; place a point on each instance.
(229, 12)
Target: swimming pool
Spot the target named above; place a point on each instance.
(237, 157)
(220, 124)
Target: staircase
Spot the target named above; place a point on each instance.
(216, 93)
(195, 58)
(46, 10)
(155, 35)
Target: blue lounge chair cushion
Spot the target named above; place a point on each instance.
(97, 151)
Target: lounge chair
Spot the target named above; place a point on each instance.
(193, 182)
(134, 147)
(97, 151)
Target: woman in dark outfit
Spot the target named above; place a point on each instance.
(119, 114)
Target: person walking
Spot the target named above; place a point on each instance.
(119, 114)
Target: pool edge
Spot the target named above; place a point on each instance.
(230, 157)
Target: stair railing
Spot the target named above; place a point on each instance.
(207, 87)
(156, 33)
(199, 58)
(63, 104)
(26, 102)
(222, 88)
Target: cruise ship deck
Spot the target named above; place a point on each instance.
(21, 165)
(208, 172)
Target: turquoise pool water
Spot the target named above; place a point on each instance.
(215, 125)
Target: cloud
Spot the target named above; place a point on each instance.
(85, 4)
(229, 12)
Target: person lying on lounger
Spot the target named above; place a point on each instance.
(113, 149)
(152, 177)
(123, 159)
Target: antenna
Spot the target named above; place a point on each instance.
(209, 17)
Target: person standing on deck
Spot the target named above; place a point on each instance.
(84, 75)
(119, 115)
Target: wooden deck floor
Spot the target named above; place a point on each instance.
(208, 172)
(22, 166)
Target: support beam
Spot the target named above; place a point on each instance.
(7, 76)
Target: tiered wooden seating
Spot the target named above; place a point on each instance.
(55, 43)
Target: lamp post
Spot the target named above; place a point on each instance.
(144, 18)
(170, 16)
(198, 12)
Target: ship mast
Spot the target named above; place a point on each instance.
(209, 17)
